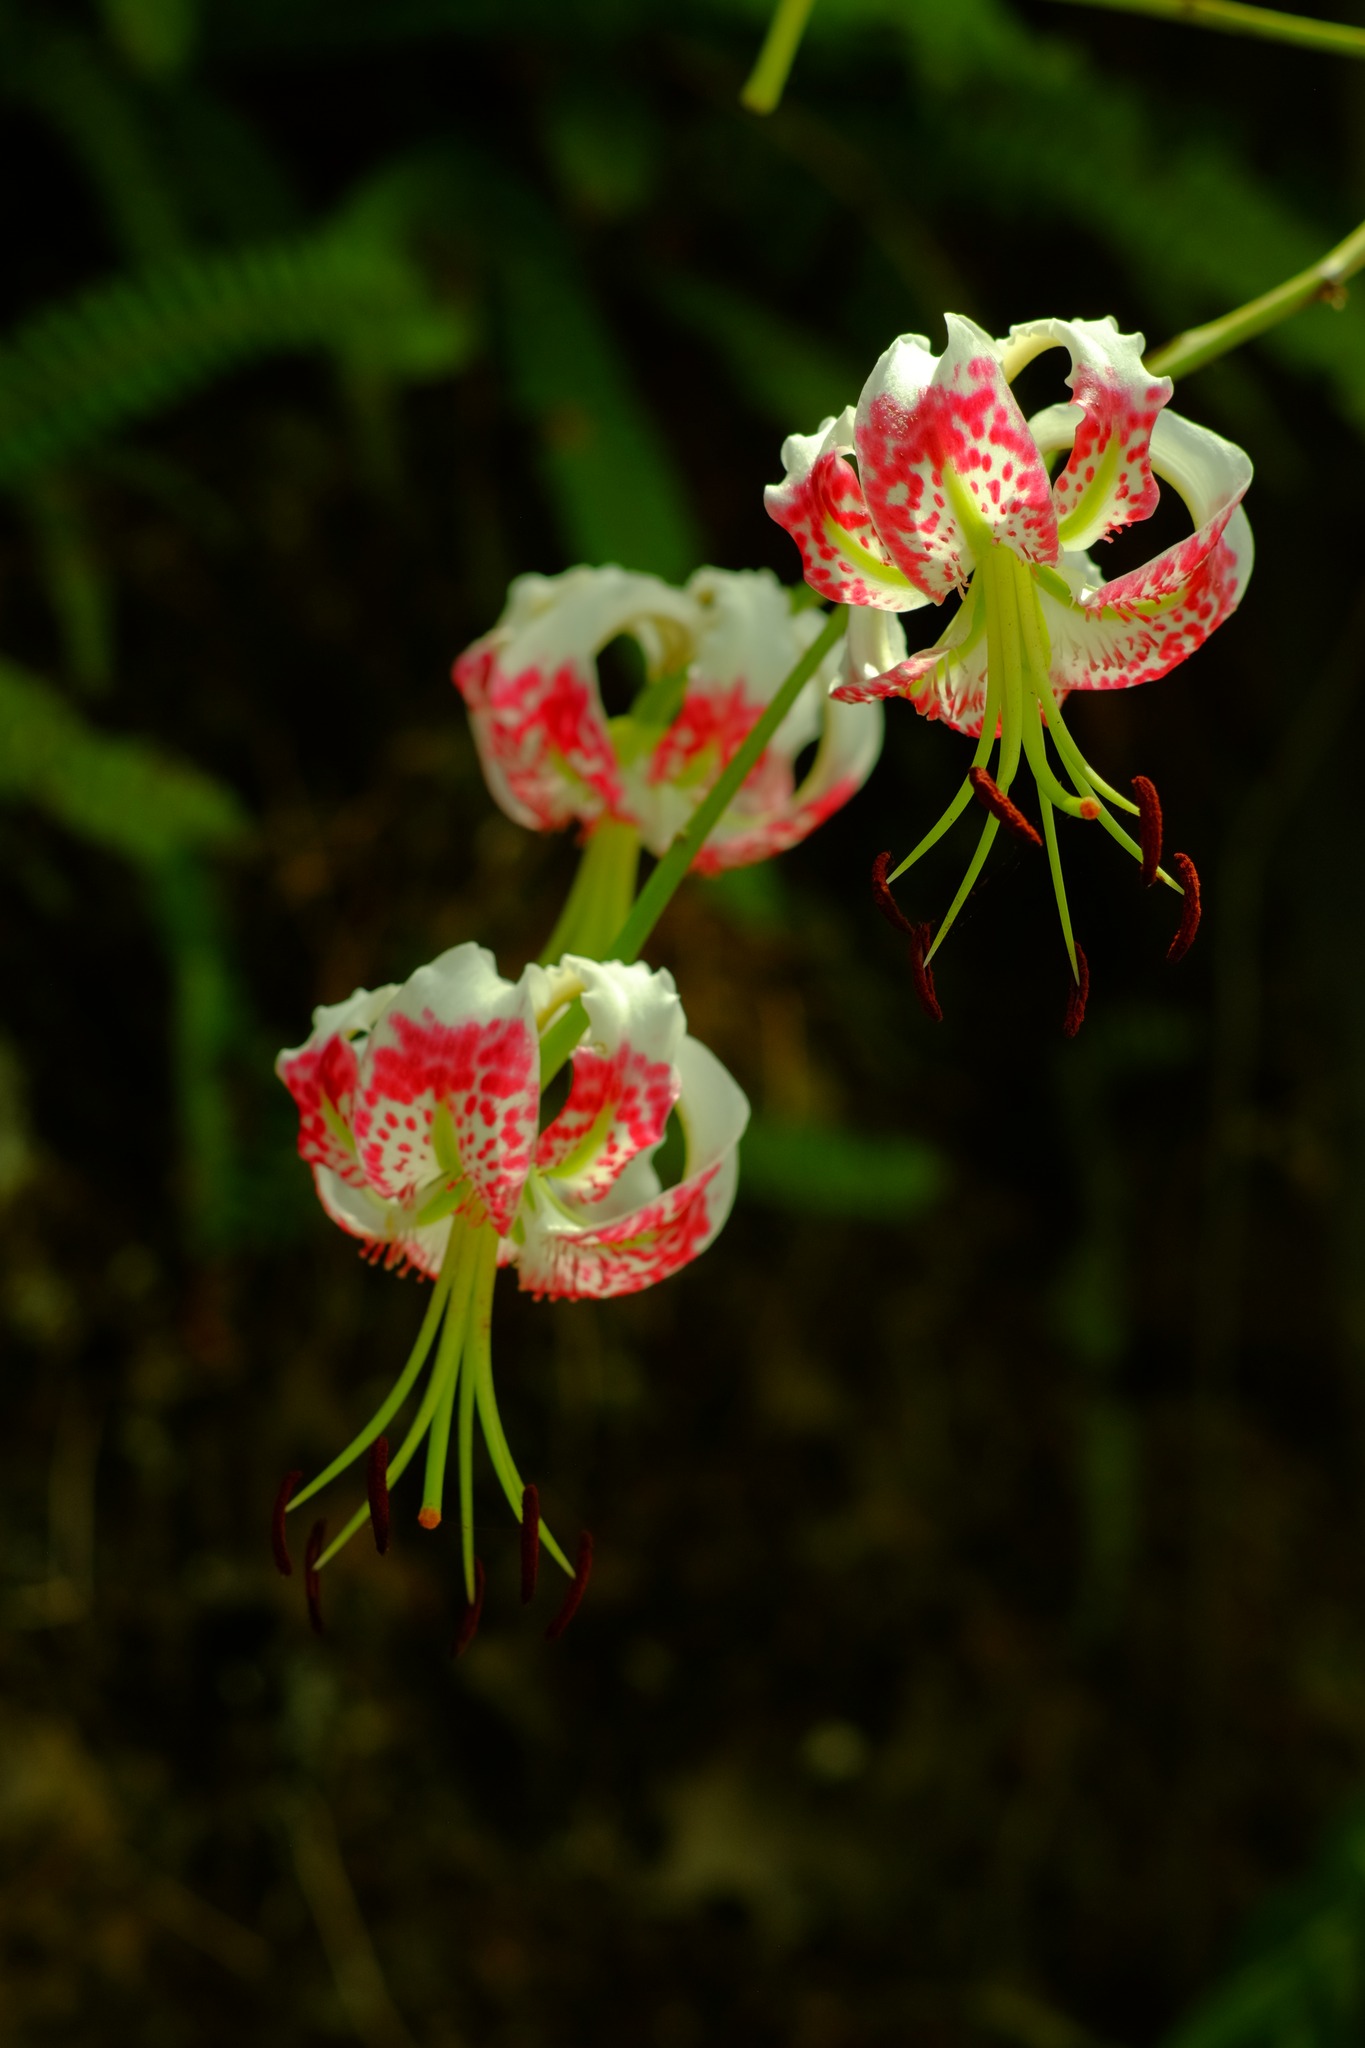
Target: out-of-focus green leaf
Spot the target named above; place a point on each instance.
(121, 793)
(80, 371)
(787, 374)
(206, 1022)
(155, 36)
(827, 1172)
(606, 467)
(1302, 1981)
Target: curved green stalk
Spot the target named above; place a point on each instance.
(481, 1359)
(402, 1386)
(764, 86)
(479, 1325)
(1054, 861)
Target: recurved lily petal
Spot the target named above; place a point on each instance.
(625, 1075)
(640, 1234)
(1142, 624)
(946, 681)
(387, 1228)
(449, 1085)
(821, 504)
(944, 454)
(320, 1074)
(1107, 481)
(532, 690)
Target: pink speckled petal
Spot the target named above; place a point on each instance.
(455, 1052)
(386, 1227)
(1143, 624)
(923, 421)
(320, 1074)
(639, 1235)
(1107, 481)
(947, 681)
(820, 503)
(532, 692)
(625, 1077)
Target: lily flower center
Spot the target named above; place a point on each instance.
(1021, 723)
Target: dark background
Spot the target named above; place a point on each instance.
(976, 1651)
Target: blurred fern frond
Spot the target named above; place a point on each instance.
(77, 372)
(121, 793)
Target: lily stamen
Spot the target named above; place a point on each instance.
(993, 798)
(1190, 910)
(1149, 827)
(279, 1543)
(473, 1609)
(1077, 995)
(573, 1599)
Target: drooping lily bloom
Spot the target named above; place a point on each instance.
(420, 1113)
(936, 484)
(714, 655)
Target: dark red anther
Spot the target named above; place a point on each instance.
(883, 900)
(920, 935)
(1077, 995)
(530, 1541)
(989, 793)
(469, 1620)
(312, 1577)
(377, 1486)
(278, 1541)
(573, 1599)
(1190, 907)
(1149, 827)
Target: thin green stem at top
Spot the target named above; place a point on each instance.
(1234, 18)
(1323, 280)
(764, 86)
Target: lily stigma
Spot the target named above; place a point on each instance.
(420, 1115)
(936, 484)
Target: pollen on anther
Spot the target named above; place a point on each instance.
(278, 1542)
(573, 1599)
(1190, 908)
(377, 1487)
(920, 935)
(1077, 995)
(312, 1578)
(1149, 827)
(989, 793)
(469, 1620)
(884, 901)
(530, 1540)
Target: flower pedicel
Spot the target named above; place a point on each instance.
(951, 492)
(419, 1112)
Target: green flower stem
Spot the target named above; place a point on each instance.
(765, 83)
(563, 1035)
(1232, 18)
(1322, 280)
(602, 893)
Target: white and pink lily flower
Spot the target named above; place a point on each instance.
(714, 656)
(935, 484)
(420, 1113)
